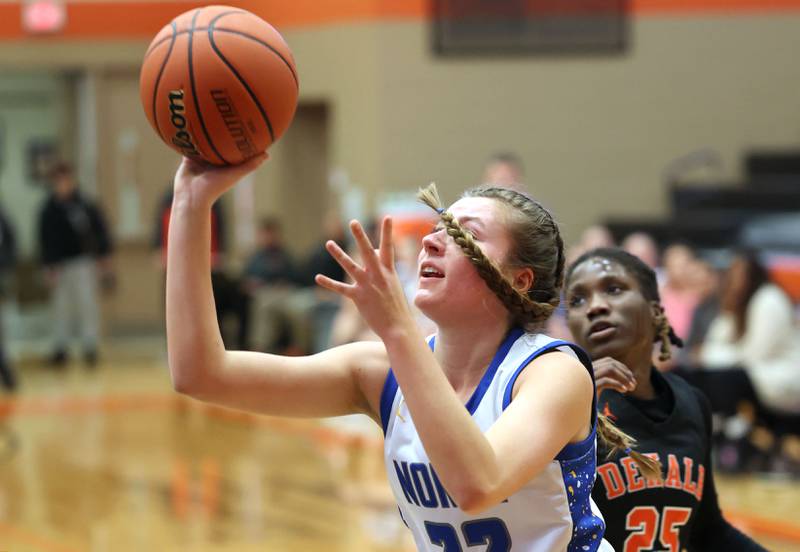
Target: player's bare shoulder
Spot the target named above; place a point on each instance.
(368, 361)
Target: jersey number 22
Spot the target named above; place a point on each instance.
(492, 532)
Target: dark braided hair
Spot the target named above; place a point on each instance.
(648, 285)
(538, 246)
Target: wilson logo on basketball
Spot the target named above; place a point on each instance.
(233, 122)
(182, 138)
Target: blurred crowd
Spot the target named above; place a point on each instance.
(741, 344)
(740, 331)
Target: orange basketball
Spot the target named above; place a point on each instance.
(219, 84)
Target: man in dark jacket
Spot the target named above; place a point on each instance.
(8, 258)
(74, 243)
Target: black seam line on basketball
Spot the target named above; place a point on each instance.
(158, 80)
(163, 40)
(238, 76)
(194, 92)
(274, 51)
(240, 33)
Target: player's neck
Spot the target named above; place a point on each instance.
(644, 383)
(465, 352)
(639, 360)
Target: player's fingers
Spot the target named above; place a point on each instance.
(364, 244)
(386, 249)
(609, 367)
(608, 383)
(345, 261)
(624, 375)
(618, 376)
(335, 286)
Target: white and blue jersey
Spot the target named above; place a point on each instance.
(552, 512)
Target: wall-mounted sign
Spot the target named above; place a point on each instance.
(43, 16)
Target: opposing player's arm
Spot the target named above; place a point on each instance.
(710, 530)
(343, 380)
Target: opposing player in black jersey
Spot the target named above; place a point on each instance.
(615, 314)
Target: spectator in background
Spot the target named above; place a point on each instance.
(750, 368)
(505, 169)
(679, 294)
(229, 300)
(757, 331)
(706, 280)
(269, 278)
(349, 326)
(643, 246)
(8, 259)
(74, 243)
(312, 305)
(595, 236)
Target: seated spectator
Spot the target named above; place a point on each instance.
(229, 300)
(756, 330)
(706, 280)
(678, 292)
(269, 278)
(300, 312)
(750, 364)
(349, 326)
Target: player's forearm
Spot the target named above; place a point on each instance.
(463, 458)
(194, 342)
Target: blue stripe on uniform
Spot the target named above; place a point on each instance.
(571, 450)
(387, 399)
(390, 392)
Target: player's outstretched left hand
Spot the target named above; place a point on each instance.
(376, 288)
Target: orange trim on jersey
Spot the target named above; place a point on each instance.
(143, 19)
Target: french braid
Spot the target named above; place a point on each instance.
(529, 309)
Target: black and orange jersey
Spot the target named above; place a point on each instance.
(681, 512)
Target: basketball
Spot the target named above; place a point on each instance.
(219, 84)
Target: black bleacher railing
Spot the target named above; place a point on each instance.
(712, 216)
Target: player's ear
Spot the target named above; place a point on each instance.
(656, 310)
(522, 279)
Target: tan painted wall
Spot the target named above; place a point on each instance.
(595, 133)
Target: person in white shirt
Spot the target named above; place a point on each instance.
(757, 331)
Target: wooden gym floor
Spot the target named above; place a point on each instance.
(113, 460)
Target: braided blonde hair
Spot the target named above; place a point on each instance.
(536, 236)
(539, 246)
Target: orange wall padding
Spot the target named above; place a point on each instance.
(140, 20)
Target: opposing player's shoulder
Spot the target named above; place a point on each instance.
(691, 394)
(682, 388)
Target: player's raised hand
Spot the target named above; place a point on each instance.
(375, 287)
(202, 184)
(612, 374)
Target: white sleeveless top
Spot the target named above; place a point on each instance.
(552, 512)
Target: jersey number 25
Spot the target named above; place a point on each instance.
(644, 522)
